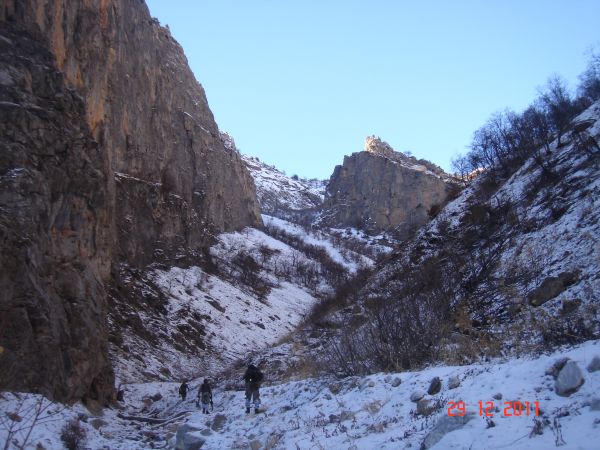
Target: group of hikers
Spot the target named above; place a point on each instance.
(252, 378)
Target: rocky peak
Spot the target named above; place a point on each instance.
(380, 189)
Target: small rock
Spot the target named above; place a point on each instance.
(556, 367)
(594, 366)
(346, 415)
(334, 418)
(569, 379)
(388, 379)
(186, 441)
(424, 407)
(206, 432)
(335, 388)
(497, 396)
(98, 423)
(416, 396)
(255, 445)
(453, 382)
(435, 386)
(595, 404)
(218, 422)
(396, 382)
(371, 384)
(156, 397)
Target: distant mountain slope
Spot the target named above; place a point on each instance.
(510, 265)
(283, 196)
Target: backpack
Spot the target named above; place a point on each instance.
(254, 375)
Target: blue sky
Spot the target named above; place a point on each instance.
(302, 83)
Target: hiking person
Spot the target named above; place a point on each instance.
(205, 396)
(252, 377)
(183, 390)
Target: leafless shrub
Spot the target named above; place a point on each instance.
(73, 435)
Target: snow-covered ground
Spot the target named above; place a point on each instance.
(276, 190)
(320, 238)
(373, 412)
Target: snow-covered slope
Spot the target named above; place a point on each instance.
(280, 195)
(373, 412)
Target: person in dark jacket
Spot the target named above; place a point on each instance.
(205, 396)
(183, 390)
(253, 378)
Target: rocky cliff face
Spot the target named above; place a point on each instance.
(160, 183)
(382, 190)
(54, 229)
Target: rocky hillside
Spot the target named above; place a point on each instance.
(379, 189)
(113, 162)
(509, 267)
(285, 197)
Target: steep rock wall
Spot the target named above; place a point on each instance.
(53, 227)
(136, 174)
(152, 119)
(381, 190)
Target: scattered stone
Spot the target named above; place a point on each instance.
(497, 396)
(435, 386)
(416, 396)
(595, 404)
(335, 388)
(255, 445)
(443, 426)
(425, 407)
(569, 380)
(570, 306)
(396, 382)
(346, 415)
(551, 287)
(156, 397)
(557, 366)
(98, 423)
(218, 422)
(185, 440)
(453, 382)
(594, 366)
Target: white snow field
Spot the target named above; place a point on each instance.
(372, 412)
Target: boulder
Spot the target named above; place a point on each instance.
(218, 422)
(453, 382)
(416, 396)
(557, 366)
(186, 439)
(443, 426)
(425, 407)
(435, 386)
(551, 287)
(594, 365)
(569, 379)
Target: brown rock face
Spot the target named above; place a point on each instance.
(53, 231)
(382, 190)
(110, 158)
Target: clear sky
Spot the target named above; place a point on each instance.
(302, 83)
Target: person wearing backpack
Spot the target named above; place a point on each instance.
(183, 390)
(205, 396)
(253, 378)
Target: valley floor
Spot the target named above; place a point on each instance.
(373, 412)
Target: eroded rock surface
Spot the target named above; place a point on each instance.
(382, 190)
